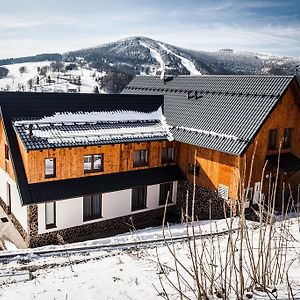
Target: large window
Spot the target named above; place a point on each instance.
(140, 158)
(139, 198)
(50, 167)
(93, 163)
(287, 138)
(165, 191)
(50, 215)
(92, 207)
(272, 139)
(168, 155)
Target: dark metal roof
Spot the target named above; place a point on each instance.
(71, 188)
(218, 112)
(288, 162)
(100, 133)
(15, 105)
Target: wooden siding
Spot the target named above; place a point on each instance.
(215, 167)
(69, 161)
(4, 164)
(285, 115)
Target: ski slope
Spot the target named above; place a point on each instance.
(189, 65)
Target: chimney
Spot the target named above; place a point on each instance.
(30, 129)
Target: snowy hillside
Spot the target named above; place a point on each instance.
(51, 77)
(141, 55)
(140, 265)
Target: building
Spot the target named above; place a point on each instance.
(221, 123)
(73, 165)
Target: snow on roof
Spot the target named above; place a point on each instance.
(86, 128)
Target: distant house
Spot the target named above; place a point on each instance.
(221, 120)
(73, 165)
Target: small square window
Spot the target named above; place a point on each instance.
(93, 163)
(139, 198)
(92, 207)
(140, 158)
(272, 139)
(194, 169)
(165, 191)
(168, 155)
(50, 167)
(223, 191)
(287, 138)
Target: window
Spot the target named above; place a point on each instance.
(93, 163)
(139, 198)
(92, 207)
(192, 169)
(6, 152)
(272, 139)
(8, 193)
(287, 139)
(168, 155)
(223, 191)
(140, 158)
(165, 190)
(50, 167)
(50, 215)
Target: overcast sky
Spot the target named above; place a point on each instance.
(42, 26)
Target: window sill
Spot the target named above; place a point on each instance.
(138, 166)
(92, 171)
(92, 219)
(139, 208)
(51, 226)
(50, 176)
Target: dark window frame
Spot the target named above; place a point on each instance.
(191, 169)
(164, 188)
(54, 168)
(287, 138)
(272, 139)
(93, 169)
(93, 215)
(140, 162)
(168, 155)
(139, 198)
(50, 225)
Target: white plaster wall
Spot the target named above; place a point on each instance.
(69, 213)
(19, 211)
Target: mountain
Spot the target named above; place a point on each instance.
(141, 55)
(109, 68)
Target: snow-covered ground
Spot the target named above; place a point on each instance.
(31, 80)
(128, 274)
(189, 65)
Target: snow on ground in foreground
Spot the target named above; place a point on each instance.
(127, 274)
(189, 65)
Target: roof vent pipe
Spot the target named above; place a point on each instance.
(30, 127)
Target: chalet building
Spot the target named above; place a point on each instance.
(221, 123)
(73, 165)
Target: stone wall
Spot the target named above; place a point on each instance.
(207, 203)
(97, 229)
